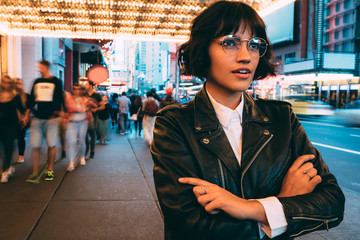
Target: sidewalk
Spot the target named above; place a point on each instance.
(112, 197)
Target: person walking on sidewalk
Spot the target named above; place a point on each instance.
(124, 106)
(114, 109)
(136, 108)
(78, 107)
(150, 108)
(10, 103)
(19, 87)
(92, 124)
(168, 99)
(226, 165)
(46, 99)
(104, 120)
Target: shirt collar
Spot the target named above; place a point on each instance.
(225, 114)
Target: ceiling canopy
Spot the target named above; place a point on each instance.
(167, 20)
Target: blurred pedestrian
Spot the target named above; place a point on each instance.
(92, 123)
(186, 99)
(104, 120)
(150, 108)
(22, 129)
(226, 165)
(155, 95)
(114, 109)
(168, 99)
(78, 107)
(136, 108)
(124, 106)
(63, 124)
(10, 103)
(45, 102)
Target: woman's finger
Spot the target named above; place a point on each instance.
(200, 190)
(193, 181)
(212, 207)
(301, 160)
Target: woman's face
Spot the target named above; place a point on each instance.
(6, 84)
(19, 84)
(232, 73)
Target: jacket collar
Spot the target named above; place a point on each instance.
(205, 118)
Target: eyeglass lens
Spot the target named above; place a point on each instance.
(256, 46)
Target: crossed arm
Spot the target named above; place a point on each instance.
(300, 179)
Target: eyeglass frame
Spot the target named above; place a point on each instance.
(247, 45)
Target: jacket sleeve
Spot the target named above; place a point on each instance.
(324, 207)
(184, 217)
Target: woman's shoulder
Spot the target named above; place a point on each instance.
(272, 102)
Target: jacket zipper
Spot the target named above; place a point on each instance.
(221, 174)
(252, 160)
(326, 221)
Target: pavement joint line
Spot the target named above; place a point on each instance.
(47, 202)
(336, 148)
(148, 182)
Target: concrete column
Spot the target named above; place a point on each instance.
(31, 55)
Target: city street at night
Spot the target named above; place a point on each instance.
(169, 119)
(340, 148)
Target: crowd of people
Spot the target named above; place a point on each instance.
(80, 118)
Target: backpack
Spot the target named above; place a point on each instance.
(151, 108)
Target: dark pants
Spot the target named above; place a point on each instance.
(114, 112)
(8, 134)
(138, 124)
(21, 139)
(91, 132)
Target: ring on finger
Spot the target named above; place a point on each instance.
(204, 188)
(307, 173)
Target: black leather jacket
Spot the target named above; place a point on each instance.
(189, 142)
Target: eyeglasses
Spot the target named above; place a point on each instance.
(231, 45)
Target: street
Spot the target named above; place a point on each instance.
(340, 148)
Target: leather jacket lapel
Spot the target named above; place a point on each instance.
(211, 134)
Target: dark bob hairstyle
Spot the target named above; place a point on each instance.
(220, 19)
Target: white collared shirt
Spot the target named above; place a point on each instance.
(231, 122)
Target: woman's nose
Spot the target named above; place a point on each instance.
(243, 54)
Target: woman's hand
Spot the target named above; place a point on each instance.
(214, 198)
(301, 178)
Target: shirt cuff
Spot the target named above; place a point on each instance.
(275, 216)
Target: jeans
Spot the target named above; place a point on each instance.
(76, 130)
(148, 125)
(21, 139)
(123, 122)
(91, 132)
(8, 134)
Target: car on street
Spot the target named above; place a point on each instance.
(350, 114)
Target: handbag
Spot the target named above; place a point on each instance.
(134, 117)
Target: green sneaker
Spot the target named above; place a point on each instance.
(49, 175)
(33, 178)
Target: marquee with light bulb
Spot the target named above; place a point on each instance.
(168, 20)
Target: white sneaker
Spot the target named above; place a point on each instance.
(11, 170)
(82, 161)
(20, 159)
(5, 177)
(71, 167)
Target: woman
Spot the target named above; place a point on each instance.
(10, 103)
(227, 166)
(19, 88)
(104, 120)
(136, 108)
(114, 109)
(77, 106)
